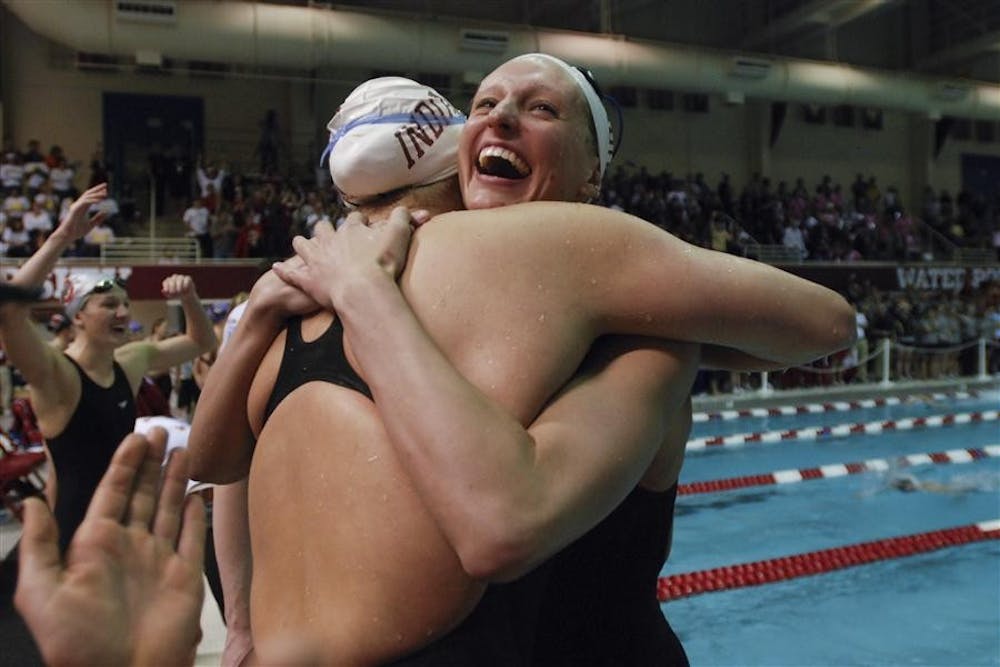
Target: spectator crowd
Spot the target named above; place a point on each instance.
(233, 215)
(824, 223)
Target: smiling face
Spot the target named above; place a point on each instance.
(527, 138)
(105, 316)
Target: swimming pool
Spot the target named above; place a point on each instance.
(941, 607)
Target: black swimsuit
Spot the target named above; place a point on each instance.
(322, 359)
(600, 607)
(82, 453)
(499, 631)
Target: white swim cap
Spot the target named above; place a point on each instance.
(78, 287)
(392, 133)
(598, 114)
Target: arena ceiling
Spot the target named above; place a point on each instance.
(951, 38)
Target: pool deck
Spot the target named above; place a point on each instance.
(213, 640)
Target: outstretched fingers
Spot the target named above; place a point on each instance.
(40, 566)
(191, 544)
(167, 523)
(111, 499)
(89, 198)
(142, 507)
(96, 193)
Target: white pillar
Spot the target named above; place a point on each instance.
(982, 358)
(765, 387)
(886, 345)
(152, 207)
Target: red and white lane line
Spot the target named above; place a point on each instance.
(839, 470)
(817, 562)
(840, 430)
(816, 408)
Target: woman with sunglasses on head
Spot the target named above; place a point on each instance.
(84, 398)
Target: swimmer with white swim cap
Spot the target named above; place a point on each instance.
(477, 374)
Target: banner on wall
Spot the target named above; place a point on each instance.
(894, 278)
(211, 281)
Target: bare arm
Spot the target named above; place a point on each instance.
(229, 516)
(221, 437)
(200, 371)
(198, 337)
(39, 363)
(231, 533)
(630, 277)
(73, 227)
(729, 359)
(506, 496)
(689, 293)
(589, 448)
(488, 480)
(221, 440)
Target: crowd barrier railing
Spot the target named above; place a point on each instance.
(885, 353)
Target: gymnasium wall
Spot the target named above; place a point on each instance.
(45, 95)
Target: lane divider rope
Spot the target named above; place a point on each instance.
(840, 430)
(839, 470)
(755, 573)
(816, 408)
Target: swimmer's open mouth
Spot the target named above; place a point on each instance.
(496, 161)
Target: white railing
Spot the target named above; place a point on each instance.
(123, 249)
(976, 256)
(886, 352)
(774, 253)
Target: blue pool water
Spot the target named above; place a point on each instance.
(914, 406)
(939, 608)
(756, 458)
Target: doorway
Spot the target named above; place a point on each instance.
(152, 143)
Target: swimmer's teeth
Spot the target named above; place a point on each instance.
(491, 154)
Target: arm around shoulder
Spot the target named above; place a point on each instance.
(647, 281)
(221, 438)
(588, 449)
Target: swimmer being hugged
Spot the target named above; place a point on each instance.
(460, 426)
